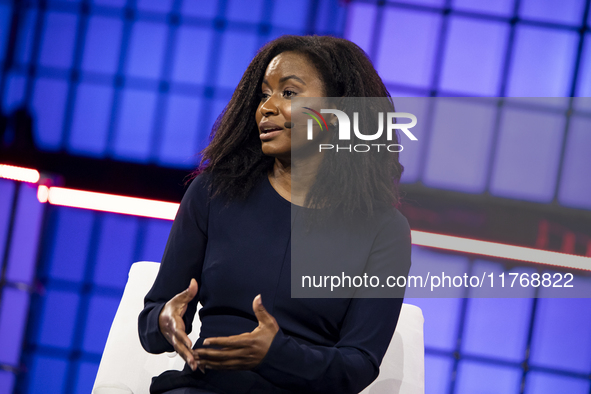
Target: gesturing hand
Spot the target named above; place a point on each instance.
(172, 325)
(244, 351)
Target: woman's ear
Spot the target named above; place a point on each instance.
(333, 121)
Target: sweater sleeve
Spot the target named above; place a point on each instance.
(182, 260)
(353, 362)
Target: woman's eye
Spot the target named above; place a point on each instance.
(289, 93)
(263, 96)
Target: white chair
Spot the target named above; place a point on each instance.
(127, 368)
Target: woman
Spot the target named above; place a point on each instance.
(233, 236)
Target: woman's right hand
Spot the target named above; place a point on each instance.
(172, 325)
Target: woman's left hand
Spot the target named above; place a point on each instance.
(244, 351)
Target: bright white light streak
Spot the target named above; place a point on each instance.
(108, 202)
(42, 193)
(19, 173)
(512, 252)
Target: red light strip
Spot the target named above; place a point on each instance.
(19, 173)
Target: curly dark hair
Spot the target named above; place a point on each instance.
(235, 159)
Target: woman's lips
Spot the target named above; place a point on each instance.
(270, 134)
(269, 130)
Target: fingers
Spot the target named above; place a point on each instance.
(227, 358)
(188, 294)
(222, 354)
(180, 341)
(261, 313)
(241, 340)
(182, 345)
(244, 351)
(172, 325)
(182, 337)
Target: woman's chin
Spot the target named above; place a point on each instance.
(270, 149)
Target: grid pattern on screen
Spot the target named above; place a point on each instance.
(84, 262)
(141, 80)
(512, 345)
(21, 220)
(511, 48)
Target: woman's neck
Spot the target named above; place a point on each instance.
(305, 174)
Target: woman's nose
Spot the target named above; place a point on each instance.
(269, 107)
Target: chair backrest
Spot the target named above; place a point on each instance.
(403, 368)
(127, 368)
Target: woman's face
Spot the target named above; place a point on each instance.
(288, 75)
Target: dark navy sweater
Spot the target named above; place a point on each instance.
(240, 249)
